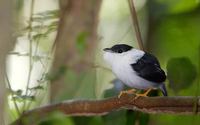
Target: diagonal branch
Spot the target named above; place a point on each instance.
(136, 24)
(170, 105)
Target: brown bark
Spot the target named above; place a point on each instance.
(5, 46)
(169, 105)
(77, 17)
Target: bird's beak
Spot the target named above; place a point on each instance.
(107, 49)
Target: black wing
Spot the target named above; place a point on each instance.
(148, 68)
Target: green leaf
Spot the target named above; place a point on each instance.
(23, 97)
(181, 73)
(54, 23)
(41, 19)
(39, 87)
(49, 12)
(178, 6)
(46, 16)
(38, 19)
(39, 36)
(81, 41)
(18, 92)
(37, 28)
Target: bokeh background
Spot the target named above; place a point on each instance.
(170, 30)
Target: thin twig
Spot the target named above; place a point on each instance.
(168, 105)
(35, 53)
(135, 24)
(30, 50)
(12, 95)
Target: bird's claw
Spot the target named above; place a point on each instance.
(143, 94)
(131, 91)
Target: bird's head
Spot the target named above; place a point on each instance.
(117, 52)
(118, 49)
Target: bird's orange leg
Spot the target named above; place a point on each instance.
(143, 94)
(131, 91)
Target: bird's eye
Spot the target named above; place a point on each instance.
(119, 51)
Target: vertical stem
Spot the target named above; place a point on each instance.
(136, 24)
(30, 49)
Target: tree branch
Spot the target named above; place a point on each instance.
(136, 24)
(170, 105)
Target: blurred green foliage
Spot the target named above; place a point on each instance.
(181, 73)
(81, 41)
(174, 34)
(178, 6)
(56, 118)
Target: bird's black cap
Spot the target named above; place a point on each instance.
(119, 48)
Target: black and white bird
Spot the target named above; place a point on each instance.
(136, 68)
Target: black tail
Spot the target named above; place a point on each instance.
(163, 89)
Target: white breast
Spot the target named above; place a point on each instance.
(130, 78)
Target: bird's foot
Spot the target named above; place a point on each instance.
(143, 94)
(131, 91)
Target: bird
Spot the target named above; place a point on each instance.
(135, 68)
